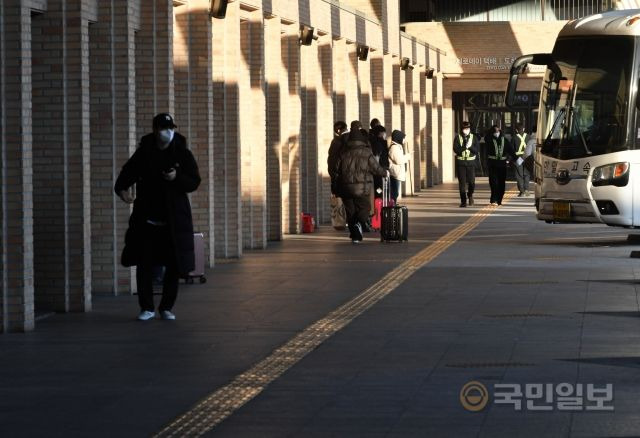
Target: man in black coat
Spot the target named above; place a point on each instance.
(465, 146)
(353, 170)
(160, 227)
(335, 149)
(378, 140)
(499, 152)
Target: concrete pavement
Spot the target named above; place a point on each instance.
(515, 301)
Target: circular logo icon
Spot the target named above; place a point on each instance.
(474, 396)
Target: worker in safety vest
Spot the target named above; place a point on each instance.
(499, 152)
(520, 148)
(465, 146)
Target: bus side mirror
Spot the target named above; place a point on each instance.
(518, 67)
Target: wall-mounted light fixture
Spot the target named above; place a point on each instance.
(430, 72)
(404, 63)
(217, 8)
(307, 35)
(363, 52)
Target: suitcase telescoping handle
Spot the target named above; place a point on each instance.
(386, 189)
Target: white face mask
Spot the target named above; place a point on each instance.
(496, 134)
(165, 136)
(466, 131)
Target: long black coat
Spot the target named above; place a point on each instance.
(138, 170)
(335, 150)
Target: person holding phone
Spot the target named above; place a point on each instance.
(160, 227)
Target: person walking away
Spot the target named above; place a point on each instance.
(378, 139)
(160, 227)
(499, 151)
(340, 132)
(397, 161)
(354, 169)
(465, 146)
(522, 173)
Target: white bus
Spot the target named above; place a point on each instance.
(587, 161)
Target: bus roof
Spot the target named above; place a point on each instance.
(607, 23)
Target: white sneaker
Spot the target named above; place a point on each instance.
(165, 314)
(145, 315)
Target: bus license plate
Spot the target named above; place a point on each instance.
(561, 210)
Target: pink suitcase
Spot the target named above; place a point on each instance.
(198, 248)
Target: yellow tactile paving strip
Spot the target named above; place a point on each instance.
(223, 402)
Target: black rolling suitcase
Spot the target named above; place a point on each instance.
(394, 220)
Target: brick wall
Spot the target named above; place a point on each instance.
(192, 44)
(113, 130)
(273, 92)
(226, 149)
(62, 215)
(17, 294)
(253, 131)
(324, 85)
(256, 107)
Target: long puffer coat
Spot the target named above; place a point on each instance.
(356, 166)
(138, 170)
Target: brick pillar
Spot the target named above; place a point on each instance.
(423, 132)
(309, 69)
(397, 92)
(325, 124)
(273, 62)
(364, 89)
(226, 145)
(339, 82)
(431, 128)
(62, 211)
(253, 126)
(16, 211)
(352, 96)
(291, 116)
(113, 135)
(154, 63)
(376, 70)
(408, 124)
(192, 43)
(388, 92)
(445, 141)
(437, 138)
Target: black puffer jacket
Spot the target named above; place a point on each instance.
(356, 166)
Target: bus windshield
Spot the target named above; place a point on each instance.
(585, 112)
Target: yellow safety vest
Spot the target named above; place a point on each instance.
(498, 150)
(523, 144)
(466, 154)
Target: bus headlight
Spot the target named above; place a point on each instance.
(616, 174)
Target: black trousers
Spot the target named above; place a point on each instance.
(497, 178)
(466, 180)
(523, 177)
(357, 210)
(158, 250)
